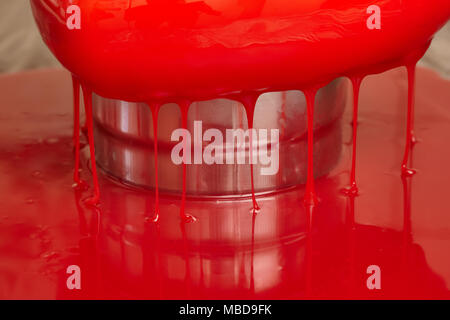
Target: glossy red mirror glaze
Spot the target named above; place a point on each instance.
(170, 49)
(400, 224)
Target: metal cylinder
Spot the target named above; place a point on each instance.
(124, 141)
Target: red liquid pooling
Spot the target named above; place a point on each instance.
(246, 52)
(397, 223)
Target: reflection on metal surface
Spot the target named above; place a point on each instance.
(124, 141)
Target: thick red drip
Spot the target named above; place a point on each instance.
(356, 84)
(76, 129)
(154, 107)
(184, 108)
(87, 94)
(410, 139)
(310, 194)
(249, 101)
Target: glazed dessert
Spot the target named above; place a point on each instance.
(232, 65)
(178, 51)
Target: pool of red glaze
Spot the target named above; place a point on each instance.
(399, 223)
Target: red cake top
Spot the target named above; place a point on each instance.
(142, 50)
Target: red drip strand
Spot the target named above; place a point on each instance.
(249, 102)
(87, 94)
(310, 195)
(411, 68)
(154, 107)
(184, 107)
(356, 83)
(76, 130)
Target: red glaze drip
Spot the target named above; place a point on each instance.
(154, 107)
(249, 101)
(356, 84)
(411, 68)
(310, 195)
(184, 108)
(76, 130)
(87, 94)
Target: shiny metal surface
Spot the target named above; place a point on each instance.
(124, 140)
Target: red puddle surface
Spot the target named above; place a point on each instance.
(399, 223)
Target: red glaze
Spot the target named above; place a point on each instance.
(398, 223)
(249, 100)
(87, 94)
(155, 112)
(173, 49)
(310, 195)
(356, 85)
(200, 50)
(411, 68)
(76, 130)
